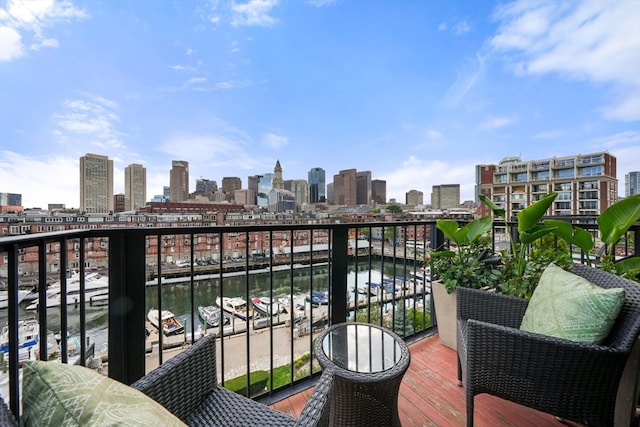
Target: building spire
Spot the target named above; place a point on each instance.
(278, 182)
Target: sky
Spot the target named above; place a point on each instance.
(417, 92)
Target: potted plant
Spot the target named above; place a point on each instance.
(459, 265)
(519, 271)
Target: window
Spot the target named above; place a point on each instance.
(565, 173)
(592, 171)
(562, 186)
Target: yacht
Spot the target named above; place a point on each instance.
(96, 287)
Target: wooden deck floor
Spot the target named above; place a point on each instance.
(430, 396)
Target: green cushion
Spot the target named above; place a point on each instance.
(57, 394)
(568, 306)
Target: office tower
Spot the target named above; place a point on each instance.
(330, 193)
(446, 196)
(119, 202)
(206, 186)
(252, 184)
(344, 187)
(96, 184)
(264, 188)
(300, 190)
(245, 197)
(166, 193)
(229, 186)
(363, 188)
(10, 199)
(179, 181)
(278, 182)
(379, 191)
(631, 184)
(586, 183)
(317, 185)
(414, 198)
(135, 187)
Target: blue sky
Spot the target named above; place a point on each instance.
(417, 92)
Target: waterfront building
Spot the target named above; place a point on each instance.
(96, 184)
(135, 187)
(344, 187)
(179, 181)
(631, 183)
(586, 183)
(363, 188)
(445, 196)
(379, 191)
(414, 198)
(317, 185)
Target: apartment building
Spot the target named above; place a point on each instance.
(586, 183)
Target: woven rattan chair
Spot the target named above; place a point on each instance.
(6, 417)
(570, 380)
(187, 386)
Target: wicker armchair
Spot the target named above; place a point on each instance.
(570, 380)
(6, 417)
(187, 386)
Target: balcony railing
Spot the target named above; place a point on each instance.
(369, 271)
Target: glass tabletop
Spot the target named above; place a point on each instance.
(361, 348)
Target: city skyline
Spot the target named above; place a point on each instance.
(418, 93)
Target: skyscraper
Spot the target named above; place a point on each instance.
(264, 188)
(317, 186)
(379, 191)
(179, 181)
(96, 184)
(229, 186)
(344, 187)
(204, 185)
(414, 198)
(135, 187)
(363, 187)
(445, 196)
(631, 183)
(278, 181)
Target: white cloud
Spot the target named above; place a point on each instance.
(31, 177)
(461, 27)
(592, 41)
(465, 81)
(497, 123)
(254, 12)
(10, 44)
(89, 121)
(274, 141)
(321, 3)
(25, 23)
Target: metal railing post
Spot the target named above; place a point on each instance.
(339, 253)
(127, 306)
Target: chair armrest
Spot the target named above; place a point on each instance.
(490, 307)
(316, 410)
(193, 370)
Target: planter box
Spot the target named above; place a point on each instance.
(445, 305)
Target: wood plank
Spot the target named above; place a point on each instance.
(429, 396)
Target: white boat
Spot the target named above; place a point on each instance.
(268, 306)
(96, 287)
(4, 297)
(236, 306)
(170, 324)
(211, 315)
(28, 333)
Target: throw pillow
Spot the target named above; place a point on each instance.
(57, 394)
(565, 305)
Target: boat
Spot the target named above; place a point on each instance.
(170, 324)
(4, 297)
(368, 288)
(96, 287)
(28, 339)
(268, 306)
(211, 315)
(236, 306)
(317, 298)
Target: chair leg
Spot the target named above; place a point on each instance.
(469, 410)
(459, 372)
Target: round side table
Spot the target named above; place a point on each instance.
(368, 362)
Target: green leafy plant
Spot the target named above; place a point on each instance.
(519, 276)
(463, 266)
